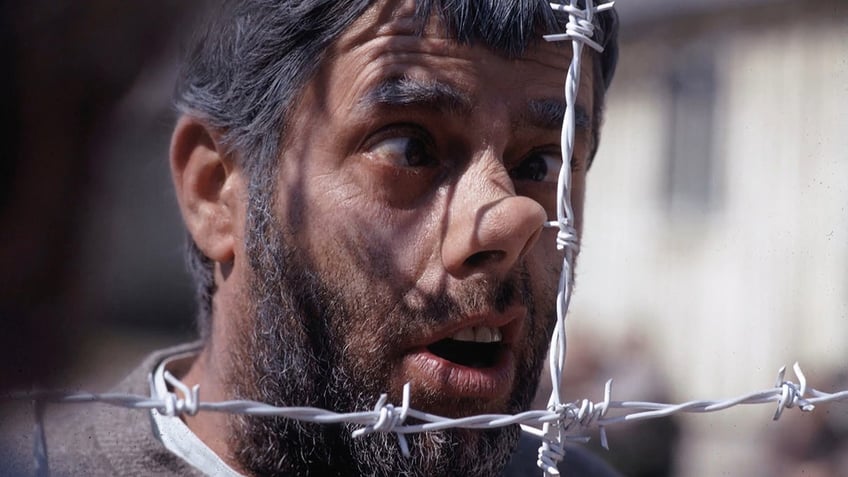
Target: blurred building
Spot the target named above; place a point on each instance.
(717, 209)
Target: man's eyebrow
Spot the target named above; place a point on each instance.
(548, 114)
(405, 91)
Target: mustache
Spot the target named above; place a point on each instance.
(479, 297)
(415, 313)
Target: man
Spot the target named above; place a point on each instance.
(364, 186)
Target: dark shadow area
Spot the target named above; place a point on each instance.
(79, 75)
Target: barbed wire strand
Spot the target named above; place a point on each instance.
(560, 422)
(580, 30)
(577, 419)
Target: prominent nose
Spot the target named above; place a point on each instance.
(489, 227)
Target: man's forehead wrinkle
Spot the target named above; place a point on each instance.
(379, 21)
(549, 55)
(424, 19)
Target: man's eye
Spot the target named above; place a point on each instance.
(403, 151)
(538, 167)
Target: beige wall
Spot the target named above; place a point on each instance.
(729, 292)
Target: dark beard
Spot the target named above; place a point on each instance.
(294, 355)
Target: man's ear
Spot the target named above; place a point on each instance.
(209, 188)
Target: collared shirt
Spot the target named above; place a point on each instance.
(174, 433)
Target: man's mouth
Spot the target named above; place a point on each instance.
(474, 361)
(474, 347)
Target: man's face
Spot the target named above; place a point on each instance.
(404, 242)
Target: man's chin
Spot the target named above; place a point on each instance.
(449, 452)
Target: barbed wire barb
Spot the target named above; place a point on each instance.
(187, 405)
(792, 394)
(388, 419)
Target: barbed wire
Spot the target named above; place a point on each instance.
(577, 419)
(560, 422)
(580, 30)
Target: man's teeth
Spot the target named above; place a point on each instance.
(478, 334)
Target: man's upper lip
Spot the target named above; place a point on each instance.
(509, 322)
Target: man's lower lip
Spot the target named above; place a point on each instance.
(453, 380)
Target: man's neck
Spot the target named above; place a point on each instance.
(210, 427)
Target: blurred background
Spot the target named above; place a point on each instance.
(715, 249)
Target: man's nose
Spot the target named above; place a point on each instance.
(489, 228)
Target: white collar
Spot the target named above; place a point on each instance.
(172, 431)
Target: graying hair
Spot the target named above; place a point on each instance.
(245, 67)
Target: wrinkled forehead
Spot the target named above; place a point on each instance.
(407, 37)
(506, 27)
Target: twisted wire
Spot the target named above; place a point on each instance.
(576, 418)
(580, 30)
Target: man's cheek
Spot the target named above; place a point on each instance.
(544, 263)
(544, 282)
(367, 359)
(396, 255)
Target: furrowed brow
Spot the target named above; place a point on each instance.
(408, 92)
(548, 114)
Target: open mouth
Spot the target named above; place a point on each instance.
(476, 347)
(473, 362)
